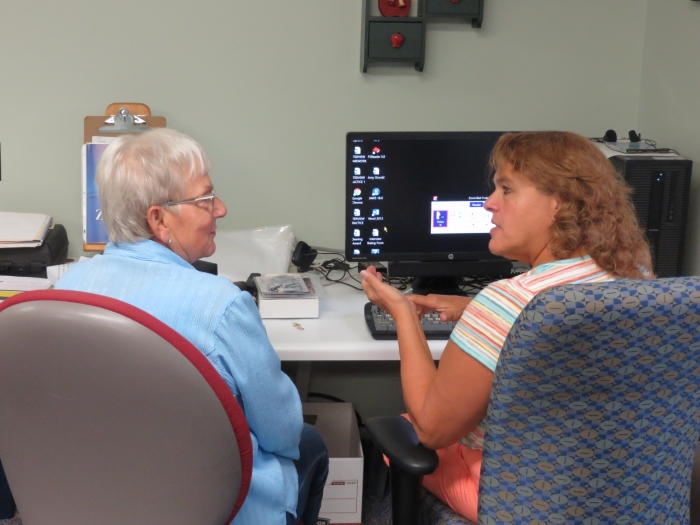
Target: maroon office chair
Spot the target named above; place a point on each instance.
(109, 416)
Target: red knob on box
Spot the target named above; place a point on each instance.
(396, 40)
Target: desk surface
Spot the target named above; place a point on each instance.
(339, 334)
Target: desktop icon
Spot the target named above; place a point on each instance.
(357, 192)
(375, 171)
(358, 150)
(356, 212)
(435, 197)
(375, 212)
(375, 150)
(358, 171)
(440, 219)
(356, 252)
(375, 232)
(356, 233)
(375, 192)
(374, 251)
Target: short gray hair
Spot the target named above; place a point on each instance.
(138, 171)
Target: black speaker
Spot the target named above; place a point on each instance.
(610, 136)
(303, 256)
(660, 192)
(634, 136)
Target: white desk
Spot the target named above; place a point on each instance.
(339, 334)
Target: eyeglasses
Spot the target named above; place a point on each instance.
(207, 199)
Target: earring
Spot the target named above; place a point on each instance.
(169, 240)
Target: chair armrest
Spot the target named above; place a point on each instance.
(395, 438)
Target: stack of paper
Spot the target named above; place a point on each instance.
(11, 285)
(286, 296)
(23, 230)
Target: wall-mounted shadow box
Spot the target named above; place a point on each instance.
(465, 9)
(378, 37)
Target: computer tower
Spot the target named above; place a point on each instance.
(661, 187)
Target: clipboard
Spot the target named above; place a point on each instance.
(97, 126)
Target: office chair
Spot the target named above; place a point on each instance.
(7, 503)
(593, 412)
(109, 416)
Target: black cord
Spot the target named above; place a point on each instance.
(338, 264)
(329, 397)
(472, 285)
(400, 283)
(331, 265)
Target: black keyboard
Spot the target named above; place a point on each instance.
(382, 326)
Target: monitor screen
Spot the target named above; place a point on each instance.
(418, 196)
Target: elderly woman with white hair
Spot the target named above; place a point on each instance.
(160, 212)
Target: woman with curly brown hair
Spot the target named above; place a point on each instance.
(559, 207)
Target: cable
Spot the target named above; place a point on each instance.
(339, 264)
(400, 283)
(326, 267)
(329, 397)
(474, 284)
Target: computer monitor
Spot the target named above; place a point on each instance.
(415, 200)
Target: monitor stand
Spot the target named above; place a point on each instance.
(444, 277)
(443, 285)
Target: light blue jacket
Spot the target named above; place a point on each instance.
(224, 324)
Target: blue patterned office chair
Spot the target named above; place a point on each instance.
(593, 417)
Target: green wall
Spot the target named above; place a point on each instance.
(270, 89)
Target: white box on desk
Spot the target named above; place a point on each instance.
(342, 495)
(301, 303)
(292, 308)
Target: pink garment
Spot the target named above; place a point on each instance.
(456, 480)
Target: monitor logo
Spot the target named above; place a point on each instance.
(376, 150)
(451, 256)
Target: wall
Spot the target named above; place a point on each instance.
(669, 111)
(271, 88)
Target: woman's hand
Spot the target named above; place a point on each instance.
(383, 295)
(450, 307)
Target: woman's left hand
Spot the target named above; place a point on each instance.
(383, 295)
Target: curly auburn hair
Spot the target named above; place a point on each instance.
(595, 213)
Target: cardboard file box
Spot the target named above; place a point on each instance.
(342, 495)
